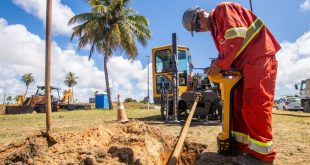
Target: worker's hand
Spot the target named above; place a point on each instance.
(213, 70)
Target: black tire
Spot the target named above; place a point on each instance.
(216, 109)
(306, 106)
(163, 112)
(40, 109)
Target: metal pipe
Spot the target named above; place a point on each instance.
(148, 83)
(48, 107)
(177, 150)
(251, 5)
(175, 74)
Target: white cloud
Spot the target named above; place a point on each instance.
(294, 60)
(305, 6)
(60, 13)
(24, 52)
(129, 78)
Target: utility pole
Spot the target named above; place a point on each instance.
(148, 82)
(4, 96)
(48, 37)
(251, 5)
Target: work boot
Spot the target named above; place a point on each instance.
(248, 159)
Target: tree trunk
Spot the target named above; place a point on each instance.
(72, 95)
(26, 91)
(106, 57)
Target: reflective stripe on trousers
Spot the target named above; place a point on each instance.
(257, 146)
(240, 137)
(260, 147)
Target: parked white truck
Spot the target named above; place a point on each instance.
(304, 89)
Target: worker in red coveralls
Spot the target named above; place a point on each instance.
(244, 43)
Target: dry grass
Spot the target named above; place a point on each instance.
(291, 130)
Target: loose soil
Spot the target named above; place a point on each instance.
(291, 135)
(112, 143)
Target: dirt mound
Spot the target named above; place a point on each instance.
(112, 143)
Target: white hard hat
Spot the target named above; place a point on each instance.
(189, 19)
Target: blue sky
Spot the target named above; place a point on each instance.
(288, 21)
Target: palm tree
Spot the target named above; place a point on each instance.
(16, 97)
(8, 99)
(110, 26)
(27, 79)
(70, 81)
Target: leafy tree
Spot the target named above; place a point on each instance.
(142, 101)
(127, 100)
(110, 26)
(70, 81)
(27, 79)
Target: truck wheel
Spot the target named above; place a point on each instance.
(40, 109)
(306, 106)
(163, 112)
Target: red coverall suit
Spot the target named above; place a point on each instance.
(244, 43)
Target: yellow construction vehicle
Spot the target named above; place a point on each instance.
(34, 103)
(175, 85)
(66, 102)
(20, 99)
(67, 96)
(205, 97)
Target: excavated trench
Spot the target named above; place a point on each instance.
(132, 143)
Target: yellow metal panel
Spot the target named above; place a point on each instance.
(226, 85)
(168, 75)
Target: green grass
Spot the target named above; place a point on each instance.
(17, 127)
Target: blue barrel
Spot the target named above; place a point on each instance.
(102, 101)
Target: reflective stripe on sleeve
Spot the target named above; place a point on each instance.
(240, 137)
(260, 147)
(253, 29)
(235, 32)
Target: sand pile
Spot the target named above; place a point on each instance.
(112, 143)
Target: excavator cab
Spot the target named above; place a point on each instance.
(163, 70)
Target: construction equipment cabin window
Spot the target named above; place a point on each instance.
(303, 85)
(163, 61)
(183, 68)
(163, 84)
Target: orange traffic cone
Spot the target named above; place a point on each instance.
(121, 113)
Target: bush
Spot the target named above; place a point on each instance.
(127, 100)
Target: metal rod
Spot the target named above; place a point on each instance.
(175, 75)
(177, 150)
(48, 66)
(251, 5)
(4, 96)
(148, 83)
